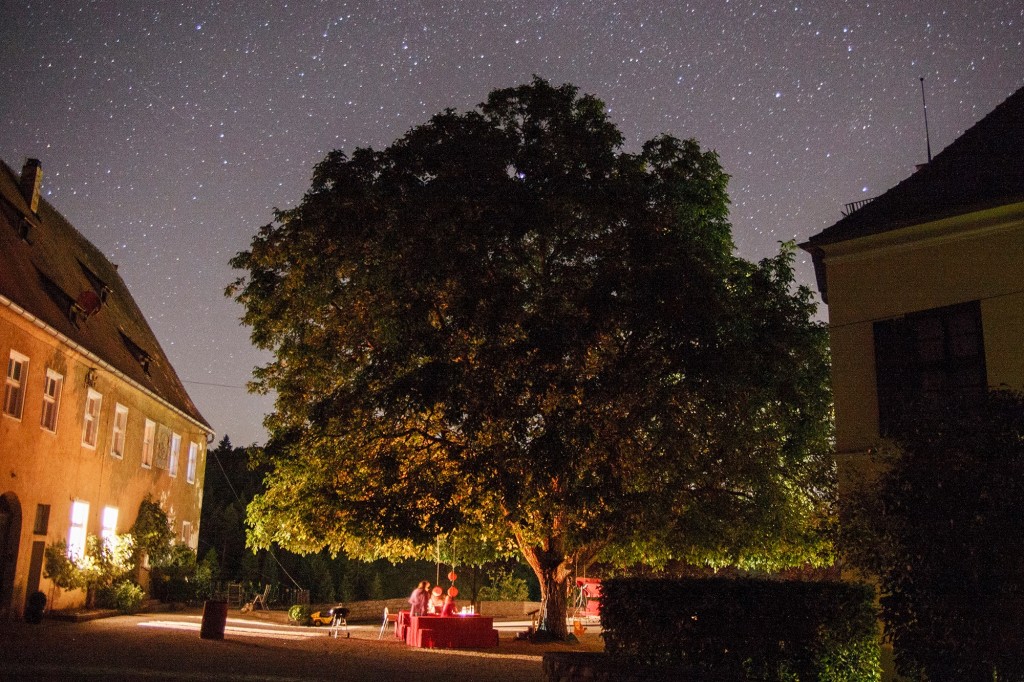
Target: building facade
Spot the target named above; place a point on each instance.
(925, 285)
(93, 417)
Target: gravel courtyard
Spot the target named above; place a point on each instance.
(256, 646)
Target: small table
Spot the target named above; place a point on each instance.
(451, 632)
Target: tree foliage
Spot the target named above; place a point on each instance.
(152, 531)
(100, 566)
(505, 326)
(941, 530)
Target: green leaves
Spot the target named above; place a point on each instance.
(503, 322)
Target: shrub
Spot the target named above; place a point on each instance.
(941, 529)
(299, 614)
(125, 596)
(103, 563)
(174, 576)
(742, 629)
(505, 586)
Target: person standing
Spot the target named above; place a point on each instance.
(419, 598)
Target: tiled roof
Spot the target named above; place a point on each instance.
(53, 267)
(983, 168)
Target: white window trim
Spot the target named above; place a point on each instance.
(58, 381)
(193, 462)
(17, 387)
(119, 432)
(93, 419)
(186, 533)
(148, 444)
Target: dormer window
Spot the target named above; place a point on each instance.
(144, 359)
(101, 288)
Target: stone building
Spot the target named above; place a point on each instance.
(93, 417)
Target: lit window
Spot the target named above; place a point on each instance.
(76, 536)
(148, 437)
(51, 400)
(120, 427)
(91, 425)
(14, 388)
(172, 467)
(109, 529)
(186, 534)
(193, 456)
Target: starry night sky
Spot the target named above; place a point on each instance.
(168, 131)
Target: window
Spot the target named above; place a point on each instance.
(14, 388)
(193, 456)
(109, 528)
(120, 427)
(76, 537)
(42, 524)
(51, 400)
(91, 425)
(172, 466)
(148, 438)
(186, 534)
(926, 356)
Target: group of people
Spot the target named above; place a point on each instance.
(423, 602)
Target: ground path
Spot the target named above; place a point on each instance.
(259, 646)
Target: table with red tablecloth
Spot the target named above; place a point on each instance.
(447, 632)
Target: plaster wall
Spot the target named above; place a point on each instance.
(979, 256)
(39, 467)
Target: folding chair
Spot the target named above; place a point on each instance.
(388, 618)
(261, 599)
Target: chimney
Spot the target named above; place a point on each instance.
(31, 179)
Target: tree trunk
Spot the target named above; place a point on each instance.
(553, 611)
(550, 566)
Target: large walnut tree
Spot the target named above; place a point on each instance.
(502, 325)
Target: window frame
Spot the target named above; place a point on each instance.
(148, 443)
(51, 401)
(78, 529)
(119, 431)
(193, 461)
(14, 386)
(172, 462)
(108, 526)
(925, 355)
(91, 419)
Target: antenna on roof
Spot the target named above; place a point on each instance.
(927, 138)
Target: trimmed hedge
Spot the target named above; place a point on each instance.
(721, 628)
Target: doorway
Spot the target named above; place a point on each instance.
(10, 535)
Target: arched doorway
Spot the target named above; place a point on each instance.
(10, 536)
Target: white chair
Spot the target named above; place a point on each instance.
(388, 618)
(261, 599)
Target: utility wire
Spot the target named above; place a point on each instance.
(238, 497)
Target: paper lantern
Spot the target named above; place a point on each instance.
(438, 590)
(452, 576)
(453, 592)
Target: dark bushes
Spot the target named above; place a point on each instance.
(723, 629)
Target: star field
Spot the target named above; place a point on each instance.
(169, 131)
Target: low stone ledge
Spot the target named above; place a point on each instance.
(80, 616)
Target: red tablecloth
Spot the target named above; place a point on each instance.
(450, 632)
(402, 626)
